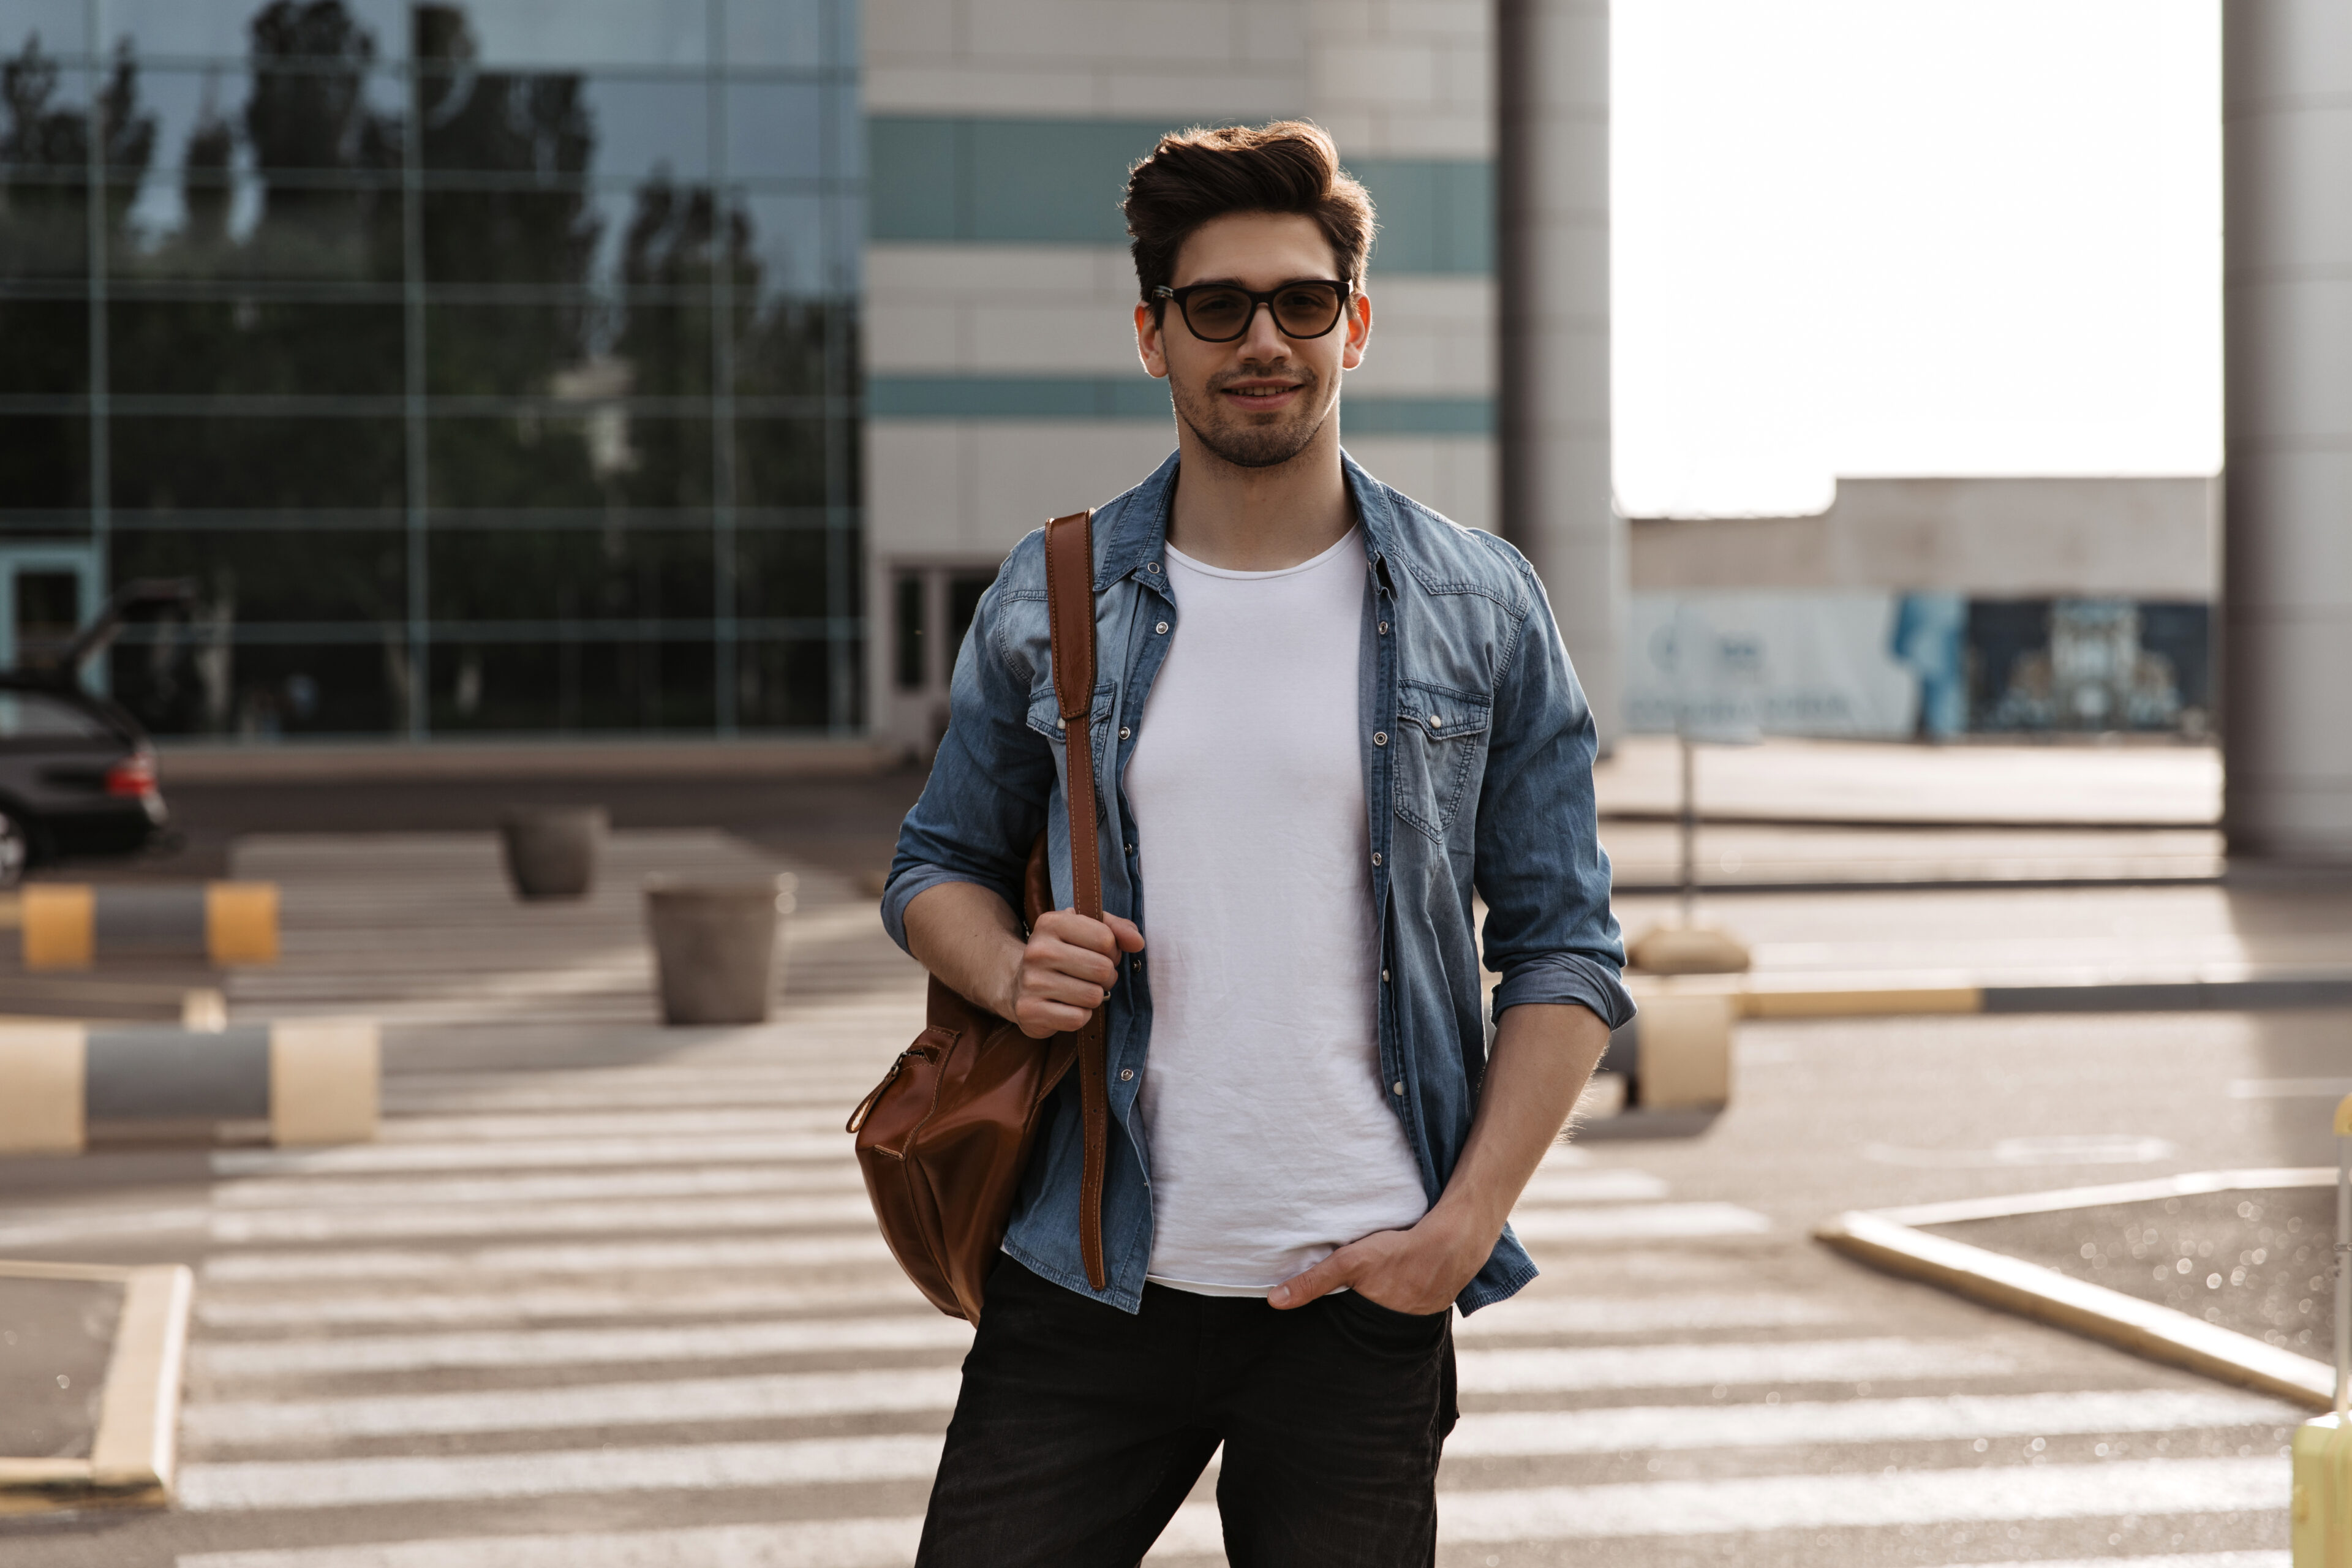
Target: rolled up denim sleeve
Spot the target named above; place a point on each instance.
(986, 800)
(1540, 868)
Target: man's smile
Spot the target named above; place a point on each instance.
(1260, 395)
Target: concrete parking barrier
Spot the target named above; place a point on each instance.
(312, 1083)
(68, 925)
(1675, 1054)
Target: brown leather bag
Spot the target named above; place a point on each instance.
(944, 1140)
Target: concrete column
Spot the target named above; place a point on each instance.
(1552, 207)
(2287, 556)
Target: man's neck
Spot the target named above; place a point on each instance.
(1260, 520)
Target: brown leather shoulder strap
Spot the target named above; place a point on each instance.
(1070, 612)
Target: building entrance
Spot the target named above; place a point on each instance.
(47, 591)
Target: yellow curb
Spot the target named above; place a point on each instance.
(241, 923)
(2031, 1291)
(135, 1453)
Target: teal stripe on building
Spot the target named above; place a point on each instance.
(1139, 398)
(976, 180)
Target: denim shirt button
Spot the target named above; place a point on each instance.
(1376, 857)
(1126, 1075)
(1161, 630)
(1397, 1087)
(1384, 628)
(1124, 732)
(1380, 737)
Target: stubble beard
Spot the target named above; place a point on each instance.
(1247, 445)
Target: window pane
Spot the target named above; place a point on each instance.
(43, 346)
(789, 462)
(786, 33)
(44, 227)
(796, 348)
(172, 463)
(802, 245)
(183, 681)
(562, 682)
(667, 33)
(516, 349)
(792, 684)
(221, 347)
(785, 573)
(595, 576)
(597, 461)
(514, 236)
(249, 576)
(44, 464)
(775, 130)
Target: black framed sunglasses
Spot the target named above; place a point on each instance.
(1220, 312)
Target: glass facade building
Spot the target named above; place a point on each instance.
(490, 366)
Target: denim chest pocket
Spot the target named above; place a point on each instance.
(1045, 718)
(1440, 742)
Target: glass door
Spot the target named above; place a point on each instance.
(48, 593)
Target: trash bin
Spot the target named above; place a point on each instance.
(715, 946)
(552, 851)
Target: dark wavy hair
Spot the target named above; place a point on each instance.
(1192, 176)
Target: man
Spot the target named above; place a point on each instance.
(1324, 716)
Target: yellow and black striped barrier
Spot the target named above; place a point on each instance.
(69, 925)
(312, 1082)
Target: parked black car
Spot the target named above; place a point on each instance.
(77, 772)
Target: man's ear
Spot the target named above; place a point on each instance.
(1359, 331)
(1150, 346)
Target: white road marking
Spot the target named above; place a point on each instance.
(1638, 1222)
(238, 1226)
(2290, 1087)
(644, 1296)
(716, 1122)
(1591, 1186)
(1959, 1417)
(782, 1396)
(280, 1483)
(581, 1347)
(816, 1543)
(1524, 1315)
(551, 1153)
(1696, 1366)
(746, 1252)
(1758, 1504)
(288, 1192)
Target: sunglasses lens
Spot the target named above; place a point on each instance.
(1217, 314)
(1307, 310)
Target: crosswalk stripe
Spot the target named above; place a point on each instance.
(657, 1296)
(816, 1543)
(1527, 1315)
(747, 1252)
(1637, 1222)
(1736, 1505)
(1696, 1366)
(276, 1484)
(715, 1123)
(582, 1347)
(1591, 1186)
(548, 1153)
(1633, 1429)
(1757, 1504)
(246, 1226)
(779, 1396)
(287, 1192)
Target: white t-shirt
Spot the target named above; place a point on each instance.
(1269, 1135)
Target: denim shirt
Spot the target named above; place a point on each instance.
(1477, 753)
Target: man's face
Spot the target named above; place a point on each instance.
(1255, 402)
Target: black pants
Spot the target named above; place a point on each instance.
(1080, 1429)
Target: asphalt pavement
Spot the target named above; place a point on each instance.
(606, 1294)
